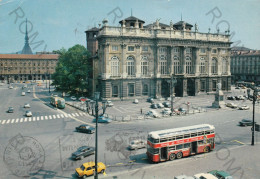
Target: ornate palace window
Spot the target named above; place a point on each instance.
(224, 66)
(214, 66)
(176, 65)
(163, 65)
(202, 65)
(145, 89)
(144, 65)
(188, 65)
(114, 66)
(130, 66)
(131, 89)
(115, 91)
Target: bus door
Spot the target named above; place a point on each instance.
(194, 147)
(164, 152)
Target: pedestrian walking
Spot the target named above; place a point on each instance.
(141, 111)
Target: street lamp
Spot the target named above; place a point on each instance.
(87, 105)
(97, 95)
(253, 125)
(172, 85)
(49, 83)
(92, 106)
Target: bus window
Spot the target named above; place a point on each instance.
(172, 148)
(179, 137)
(200, 133)
(211, 131)
(207, 132)
(187, 136)
(193, 134)
(171, 138)
(153, 140)
(163, 140)
(178, 147)
(187, 145)
(200, 142)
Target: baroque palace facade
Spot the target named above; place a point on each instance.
(138, 61)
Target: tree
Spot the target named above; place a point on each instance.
(73, 70)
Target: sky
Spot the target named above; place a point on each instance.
(54, 24)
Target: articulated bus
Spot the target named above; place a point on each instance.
(180, 142)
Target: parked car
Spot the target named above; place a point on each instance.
(73, 98)
(82, 152)
(205, 176)
(244, 107)
(85, 129)
(136, 101)
(103, 119)
(166, 104)
(27, 105)
(160, 105)
(28, 114)
(166, 111)
(88, 169)
(23, 93)
(83, 99)
(10, 110)
(152, 113)
(28, 91)
(231, 105)
(154, 106)
(137, 144)
(221, 174)
(109, 104)
(231, 98)
(150, 100)
(182, 110)
(11, 87)
(246, 122)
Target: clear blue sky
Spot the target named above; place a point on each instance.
(61, 23)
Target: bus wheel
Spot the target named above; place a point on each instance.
(172, 156)
(206, 150)
(179, 155)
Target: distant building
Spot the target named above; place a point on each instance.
(139, 61)
(245, 65)
(27, 66)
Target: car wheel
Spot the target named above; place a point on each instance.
(172, 156)
(102, 171)
(179, 155)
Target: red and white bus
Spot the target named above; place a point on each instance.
(180, 142)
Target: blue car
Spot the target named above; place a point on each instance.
(103, 119)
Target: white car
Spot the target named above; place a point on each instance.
(110, 104)
(231, 105)
(137, 144)
(136, 101)
(23, 93)
(160, 105)
(166, 111)
(244, 107)
(152, 113)
(28, 91)
(73, 98)
(205, 176)
(28, 113)
(27, 105)
(11, 87)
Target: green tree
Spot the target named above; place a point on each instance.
(73, 70)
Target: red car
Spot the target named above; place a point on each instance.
(83, 99)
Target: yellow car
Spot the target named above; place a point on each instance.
(88, 169)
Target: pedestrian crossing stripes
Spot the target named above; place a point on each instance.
(41, 118)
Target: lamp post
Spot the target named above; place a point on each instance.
(87, 105)
(253, 125)
(92, 106)
(49, 83)
(172, 85)
(97, 94)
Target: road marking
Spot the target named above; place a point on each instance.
(3, 122)
(25, 119)
(12, 121)
(16, 120)
(72, 114)
(38, 118)
(30, 119)
(119, 163)
(76, 114)
(50, 117)
(33, 118)
(46, 117)
(54, 117)
(21, 120)
(8, 121)
(58, 116)
(81, 114)
(66, 115)
(238, 142)
(119, 110)
(69, 115)
(41, 117)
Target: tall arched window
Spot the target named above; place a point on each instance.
(163, 65)
(224, 66)
(214, 66)
(144, 65)
(114, 66)
(202, 65)
(145, 89)
(130, 66)
(176, 65)
(188, 65)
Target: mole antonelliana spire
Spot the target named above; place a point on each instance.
(26, 49)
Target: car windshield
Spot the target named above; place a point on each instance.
(82, 167)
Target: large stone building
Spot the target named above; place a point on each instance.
(135, 60)
(245, 65)
(27, 66)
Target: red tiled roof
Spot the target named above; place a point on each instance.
(26, 56)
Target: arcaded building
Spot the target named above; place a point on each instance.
(135, 60)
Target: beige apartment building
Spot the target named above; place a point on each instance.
(135, 60)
